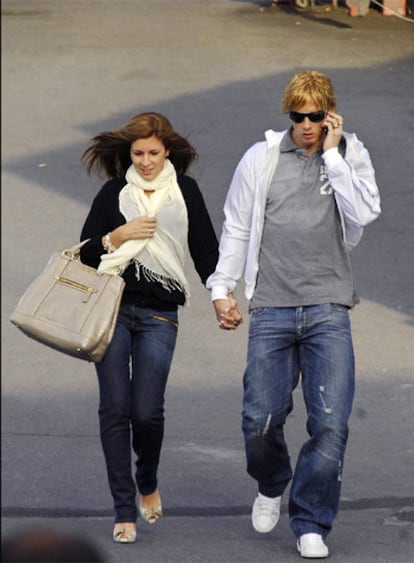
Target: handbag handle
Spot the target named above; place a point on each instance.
(73, 252)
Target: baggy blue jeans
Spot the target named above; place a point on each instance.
(132, 379)
(284, 343)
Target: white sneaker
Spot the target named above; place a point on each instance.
(265, 513)
(312, 546)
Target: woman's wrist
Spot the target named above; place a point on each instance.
(107, 244)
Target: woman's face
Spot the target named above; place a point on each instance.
(148, 157)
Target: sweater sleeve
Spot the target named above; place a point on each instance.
(202, 240)
(103, 217)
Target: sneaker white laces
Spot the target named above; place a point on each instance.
(265, 514)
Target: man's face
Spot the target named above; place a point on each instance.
(308, 134)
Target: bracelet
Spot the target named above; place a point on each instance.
(107, 244)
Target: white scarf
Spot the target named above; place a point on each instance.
(161, 257)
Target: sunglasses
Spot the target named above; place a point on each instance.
(314, 116)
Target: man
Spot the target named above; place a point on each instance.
(297, 204)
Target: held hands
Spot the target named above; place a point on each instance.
(227, 313)
(334, 129)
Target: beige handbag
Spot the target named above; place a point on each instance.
(70, 307)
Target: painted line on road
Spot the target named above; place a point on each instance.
(381, 503)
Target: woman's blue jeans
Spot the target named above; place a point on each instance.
(315, 342)
(132, 379)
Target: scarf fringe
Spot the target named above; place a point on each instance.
(168, 284)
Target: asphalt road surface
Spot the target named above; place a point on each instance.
(217, 69)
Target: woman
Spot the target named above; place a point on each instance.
(140, 225)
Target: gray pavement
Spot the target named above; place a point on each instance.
(217, 68)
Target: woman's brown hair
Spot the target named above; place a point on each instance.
(108, 153)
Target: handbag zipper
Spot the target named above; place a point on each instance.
(88, 289)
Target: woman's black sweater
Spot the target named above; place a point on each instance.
(105, 216)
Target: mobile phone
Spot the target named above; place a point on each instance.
(325, 129)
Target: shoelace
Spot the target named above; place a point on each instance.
(268, 506)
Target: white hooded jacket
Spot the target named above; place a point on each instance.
(351, 177)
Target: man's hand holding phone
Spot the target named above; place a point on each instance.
(333, 129)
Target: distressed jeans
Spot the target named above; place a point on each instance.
(132, 379)
(284, 343)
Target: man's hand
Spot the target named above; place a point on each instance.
(227, 313)
(334, 129)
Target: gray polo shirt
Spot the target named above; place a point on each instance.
(303, 259)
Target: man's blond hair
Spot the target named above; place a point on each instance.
(309, 85)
